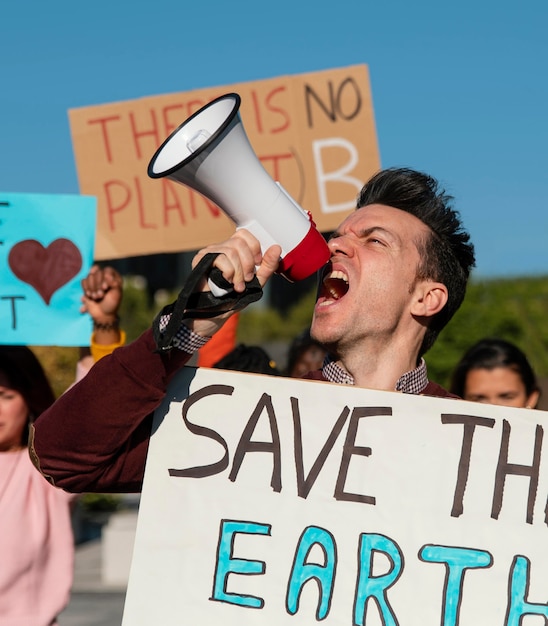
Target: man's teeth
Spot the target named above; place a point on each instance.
(340, 275)
(332, 283)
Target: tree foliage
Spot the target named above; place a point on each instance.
(513, 309)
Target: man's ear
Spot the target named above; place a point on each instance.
(429, 298)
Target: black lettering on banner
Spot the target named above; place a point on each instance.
(469, 422)
(12, 299)
(333, 108)
(504, 468)
(201, 471)
(350, 449)
(304, 485)
(245, 444)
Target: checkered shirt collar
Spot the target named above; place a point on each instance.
(411, 382)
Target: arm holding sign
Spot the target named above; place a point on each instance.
(95, 437)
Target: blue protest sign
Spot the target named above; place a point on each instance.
(46, 249)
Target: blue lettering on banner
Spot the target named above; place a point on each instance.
(323, 574)
(457, 561)
(227, 565)
(518, 606)
(370, 587)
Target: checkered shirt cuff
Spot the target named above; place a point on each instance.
(184, 339)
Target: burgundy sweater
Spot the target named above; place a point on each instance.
(95, 436)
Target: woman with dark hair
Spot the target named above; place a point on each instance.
(36, 540)
(495, 371)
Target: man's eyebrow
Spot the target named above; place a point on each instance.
(365, 232)
(374, 229)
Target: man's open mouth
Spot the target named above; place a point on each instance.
(334, 285)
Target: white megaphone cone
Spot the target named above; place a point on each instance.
(210, 153)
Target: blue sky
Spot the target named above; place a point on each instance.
(460, 90)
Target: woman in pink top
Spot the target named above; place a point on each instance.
(36, 540)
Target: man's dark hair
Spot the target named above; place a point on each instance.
(447, 256)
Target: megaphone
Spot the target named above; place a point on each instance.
(210, 153)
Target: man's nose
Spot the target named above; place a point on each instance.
(340, 245)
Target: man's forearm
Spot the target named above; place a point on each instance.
(95, 437)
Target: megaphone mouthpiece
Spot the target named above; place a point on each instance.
(198, 140)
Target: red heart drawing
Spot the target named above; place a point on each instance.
(45, 269)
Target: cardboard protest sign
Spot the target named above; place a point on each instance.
(314, 133)
(279, 501)
(46, 249)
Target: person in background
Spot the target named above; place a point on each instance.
(252, 359)
(495, 371)
(36, 541)
(36, 537)
(304, 355)
(102, 297)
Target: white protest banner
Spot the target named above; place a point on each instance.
(279, 501)
(46, 249)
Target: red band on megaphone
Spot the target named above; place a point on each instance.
(306, 258)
